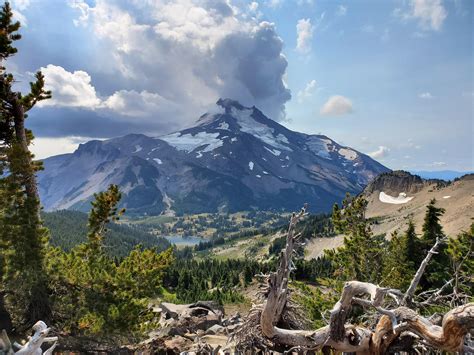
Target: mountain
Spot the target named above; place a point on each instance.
(446, 175)
(233, 158)
(397, 196)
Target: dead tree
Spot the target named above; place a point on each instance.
(263, 327)
(33, 345)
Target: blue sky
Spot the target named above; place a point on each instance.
(393, 79)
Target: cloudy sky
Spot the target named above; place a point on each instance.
(393, 79)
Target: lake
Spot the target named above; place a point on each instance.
(179, 240)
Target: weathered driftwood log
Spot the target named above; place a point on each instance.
(33, 345)
(394, 324)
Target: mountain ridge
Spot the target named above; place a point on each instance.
(233, 158)
(395, 197)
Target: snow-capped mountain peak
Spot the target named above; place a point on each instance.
(234, 156)
(230, 118)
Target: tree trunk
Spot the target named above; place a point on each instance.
(5, 319)
(31, 186)
(38, 305)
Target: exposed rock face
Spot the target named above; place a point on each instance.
(399, 181)
(182, 319)
(234, 158)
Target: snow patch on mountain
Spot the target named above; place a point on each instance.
(400, 199)
(348, 154)
(158, 161)
(319, 146)
(138, 148)
(259, 130)
(224, 126)
(189, 142)
(275, 152)
(251, 165)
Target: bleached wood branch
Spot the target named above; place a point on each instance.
(435, 295)
(419, 273)
(33, 345)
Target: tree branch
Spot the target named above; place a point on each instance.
(416, 279)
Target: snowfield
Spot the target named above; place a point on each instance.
(251, 165)
(263, 132)
(224, 126)
(138, 148)
(400, 199)
(320, 146)
(188, 142)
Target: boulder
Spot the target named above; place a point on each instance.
(215, 329)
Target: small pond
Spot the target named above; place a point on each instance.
(182, 241)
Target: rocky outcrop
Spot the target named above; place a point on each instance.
(190, 328)
(400, 181)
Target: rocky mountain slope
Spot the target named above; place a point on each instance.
(234, 158)
(394, 197)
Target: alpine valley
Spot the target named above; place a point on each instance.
(234, 158)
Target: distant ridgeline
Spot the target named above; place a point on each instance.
(69, 228)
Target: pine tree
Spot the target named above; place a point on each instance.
(104, 210)
(414, 246)
(436, 272)
(397, 268)
(432, 228)
(95, 294)
(22, 234)
(461, 254)
(360, 257)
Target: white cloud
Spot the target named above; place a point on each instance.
(69, 89)
(44, 147)
(337, 105)
(380, 153)
(137, 104)
(18, 6)
(304, 31)
(253, 6)
(189, 52)
(75, 90)
(438, 164)
(430, 14)
(426, 96)
(341, 10)
(307, 91)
